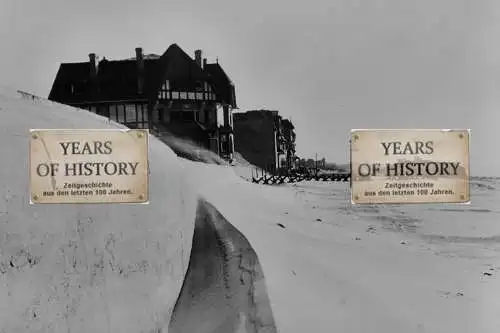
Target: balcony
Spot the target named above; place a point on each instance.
(186, 96)
(187, 91)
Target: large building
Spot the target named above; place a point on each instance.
(187, 97)
(265, 139)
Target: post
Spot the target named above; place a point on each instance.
(316, 165)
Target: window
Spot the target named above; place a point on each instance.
(163, 93)
(142, 113)
(139, 112)
(231, 143)
(130, 113)
(199, 96)
(173, 85)
(112, 112)
(120, 110)
(223, 143)
(183, 95)
(191, 95)
(145, 112)
(219, 116)
(175, 95)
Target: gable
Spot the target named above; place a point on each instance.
(179, 69)
(117, 79)
(223, 85)
(71, 82)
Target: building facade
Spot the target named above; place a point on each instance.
(265, 139)
(186, 97)
(289, 138)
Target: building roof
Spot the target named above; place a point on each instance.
(117, 79)
(223, 82)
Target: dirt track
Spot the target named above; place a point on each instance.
(224, 289)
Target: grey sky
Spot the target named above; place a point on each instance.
(329, 65)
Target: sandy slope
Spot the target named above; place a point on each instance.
(87, 268)
(175, 265)
(331, 267)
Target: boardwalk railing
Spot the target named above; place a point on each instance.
(276, 180)
(27, 95)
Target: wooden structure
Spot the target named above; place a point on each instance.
(276, 180)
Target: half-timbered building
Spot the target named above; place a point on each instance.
(187, 97)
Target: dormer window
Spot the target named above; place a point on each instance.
(173, 85)
(166, 86)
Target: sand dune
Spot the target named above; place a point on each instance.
(118, 268)
(183, 264)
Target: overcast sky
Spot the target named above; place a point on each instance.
(328, 65)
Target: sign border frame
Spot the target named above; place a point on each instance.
(468, 189)
(145, 132)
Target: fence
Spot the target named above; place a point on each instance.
(282, 179)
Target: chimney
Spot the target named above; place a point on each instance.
(140, 69)
(204, 62)
(197, 57)
(93, 65)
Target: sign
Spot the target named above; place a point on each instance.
(89, 166)
(409, 166)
